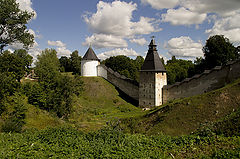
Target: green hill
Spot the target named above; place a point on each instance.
(184, 116)
(99, 104)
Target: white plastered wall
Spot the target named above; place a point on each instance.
(160, 81)
(102, 72)
(89, 67)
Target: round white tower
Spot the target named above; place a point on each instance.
(89, 63)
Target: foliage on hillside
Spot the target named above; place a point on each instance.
(107, 143)
(184, 116)
(98, 104)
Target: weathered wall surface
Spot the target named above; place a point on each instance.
(126, 85)
(205, 82)
(146, 89)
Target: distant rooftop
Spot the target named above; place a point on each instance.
(152, 61)
(90, 55)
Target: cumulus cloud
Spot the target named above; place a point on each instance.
(56, 43)
(141, 41)
(105, 23)
(105, 41)
(26, 5)
(63, 51)
(184, 47)
(144, 26)
(61, 48)
(106, 19)
(182, 16)
(124, 51)
(161, 4)
(228, 26)
(221, 7)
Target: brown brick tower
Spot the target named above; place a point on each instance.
(152, 79)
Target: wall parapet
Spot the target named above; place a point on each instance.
(126, 85)
(204, 82)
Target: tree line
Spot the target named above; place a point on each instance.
(218, 50)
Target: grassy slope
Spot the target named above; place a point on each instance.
(100, 103)
(184, 116)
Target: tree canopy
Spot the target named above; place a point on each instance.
(54, 91)
(125, 66)
(18, 63)
(178, 70)
(13, 24)
(218, 51)
(47, 66)
(72, 64)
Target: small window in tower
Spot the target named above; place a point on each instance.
(149, 96)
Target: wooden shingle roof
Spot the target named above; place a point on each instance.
(152, 61)
(90, 55)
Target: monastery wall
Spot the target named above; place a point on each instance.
(205, 82)
(126, 85)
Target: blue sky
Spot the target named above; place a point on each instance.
(181, 27)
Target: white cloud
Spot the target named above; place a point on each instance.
(221, 7)
(26, 5)
(124, 51)
(182, 16)
(63, 51)
(105, 41)
(107, 18)
(229, 27)
(113, 24)
(184, 47)
(161, 4)
(144, 26)
(141, 41)
(56, 43)
(61, 48)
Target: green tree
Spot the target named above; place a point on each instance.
(14, 115)
(123, 65)
(65, 64)
(54, 91)
(13, 24)
(218, 51)
(178, 70)
(17, 63)
(47, 66)
(75, 62)
(139, 62)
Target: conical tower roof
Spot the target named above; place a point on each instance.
(152, 61)
(90, 55)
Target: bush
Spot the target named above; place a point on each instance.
(14, 115)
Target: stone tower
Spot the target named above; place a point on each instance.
(152, 79)
(89, 63)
